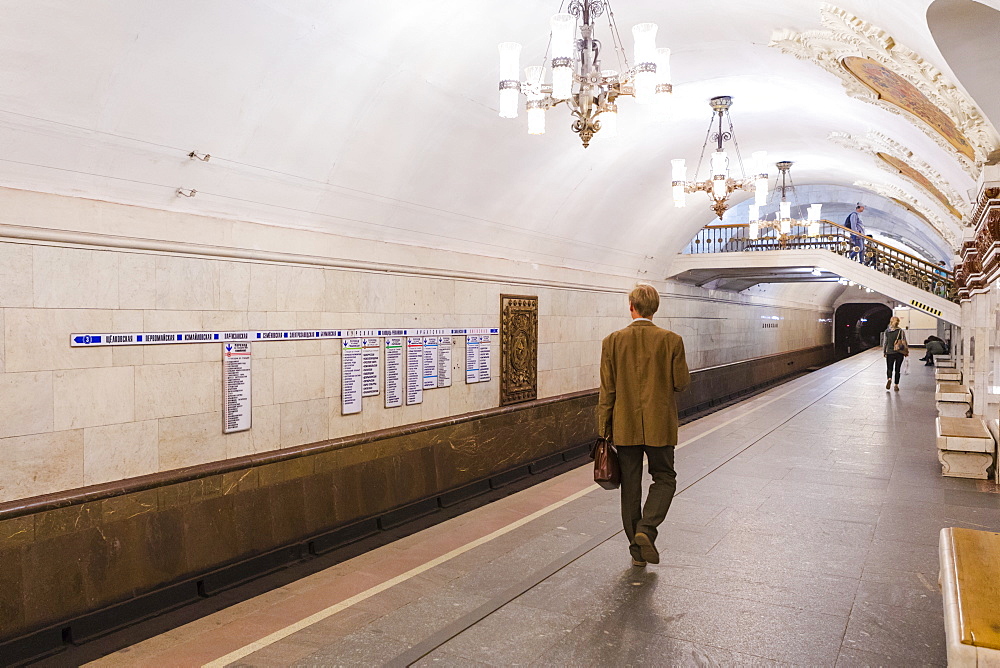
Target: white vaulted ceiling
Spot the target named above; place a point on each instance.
(378, 119)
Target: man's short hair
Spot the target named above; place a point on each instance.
(644, 299)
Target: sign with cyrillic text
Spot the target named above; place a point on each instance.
(236, 394)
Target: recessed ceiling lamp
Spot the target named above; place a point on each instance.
(720, 183)
(783, 219)
(577, 77)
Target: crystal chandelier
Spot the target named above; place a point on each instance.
(577, 77)
(720, 184)
(783, 221)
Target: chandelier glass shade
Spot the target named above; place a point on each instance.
(721, 183)
(783, 221)
(574, 56)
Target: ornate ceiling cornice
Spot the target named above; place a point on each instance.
(846, 36)
(934, 220)
(928, 178)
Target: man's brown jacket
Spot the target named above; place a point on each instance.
(642, 366)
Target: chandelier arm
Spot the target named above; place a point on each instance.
(736, 145)
(704, 145)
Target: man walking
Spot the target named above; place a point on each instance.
(854, 223)
(642, 366)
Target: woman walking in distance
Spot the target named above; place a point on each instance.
(642, 366)
(894, 349)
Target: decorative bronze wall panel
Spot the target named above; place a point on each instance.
(518, 349)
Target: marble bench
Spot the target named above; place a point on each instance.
(965, 447)
(953, 400)
(970, 589)
(948, 375)
(944, 362)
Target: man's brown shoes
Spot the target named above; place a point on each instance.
(646, 549)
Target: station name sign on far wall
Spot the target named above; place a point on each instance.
(166, 338)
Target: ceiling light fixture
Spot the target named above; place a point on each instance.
(720, 183)
(783, 221)
(577, 77)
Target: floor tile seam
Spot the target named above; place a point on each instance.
(508, 596)
(276, 636)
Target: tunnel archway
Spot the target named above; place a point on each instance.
(858, 327)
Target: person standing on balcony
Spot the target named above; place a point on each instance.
(855, 224)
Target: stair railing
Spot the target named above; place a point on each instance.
(835, 238)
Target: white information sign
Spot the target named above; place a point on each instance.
(351, 360)
(444, 361)
(236, 405)
(414, 370)
(370, 367)
(472, 358)
(394, 371)
(485, 355)
(430, 362)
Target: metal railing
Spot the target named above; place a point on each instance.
(835, 238)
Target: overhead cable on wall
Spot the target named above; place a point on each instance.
(324, 186)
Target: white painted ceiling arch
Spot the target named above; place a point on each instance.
(378, 119)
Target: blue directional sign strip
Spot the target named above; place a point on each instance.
(165, 338)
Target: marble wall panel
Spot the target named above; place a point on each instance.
(199, 278)
(2, 347)
(304, 422)
(343, 293)
(38, 339)
(378, 293)
(189, 440)
(93, 397)
(41, 463)
(263, 294)
(265, 434)
(170, 390)
(299, 378)
(27, 403)
(119, 451)
(136, 281)
(262, 380)
(301, 288)
(16, 275)
(234, 286)
(74, 278)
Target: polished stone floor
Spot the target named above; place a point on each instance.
(804, 533)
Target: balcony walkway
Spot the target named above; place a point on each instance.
(740, 270)
(804, 532)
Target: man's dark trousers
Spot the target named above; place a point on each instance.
(637, 517)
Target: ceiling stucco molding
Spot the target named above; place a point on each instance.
(847, 35)
(876, 142)
(933, 219)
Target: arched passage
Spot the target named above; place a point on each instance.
(857, 327)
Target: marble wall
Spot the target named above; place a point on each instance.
(71, 417)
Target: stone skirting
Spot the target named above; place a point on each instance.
(79, 563)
